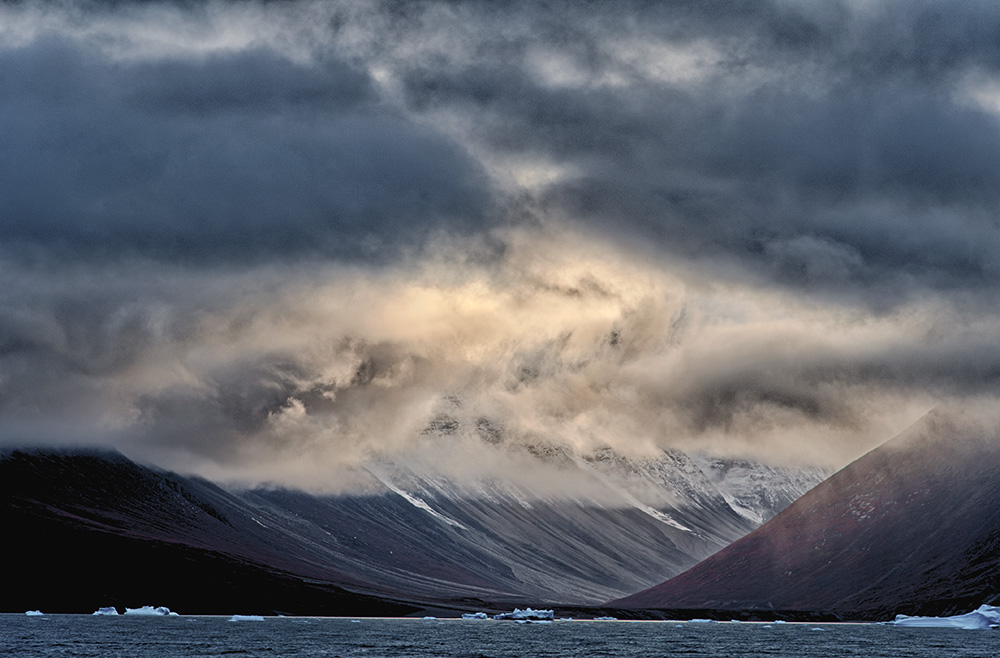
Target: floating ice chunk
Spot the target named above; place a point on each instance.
(150, 611)
(246, 618)
(475, 615)
(985, 616)
(110, 610)
(701, 621)
(34, 613)
(605, 618)
(429, 618)
(527, 614)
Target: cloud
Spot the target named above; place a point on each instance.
(560, 344)
(274, 238)
(845, 124)
(223, 156)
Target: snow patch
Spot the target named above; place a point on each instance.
(660, 516)
(416, 501)
(983, 617)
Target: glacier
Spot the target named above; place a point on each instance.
(983, 617)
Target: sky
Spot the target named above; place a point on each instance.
(266, 240)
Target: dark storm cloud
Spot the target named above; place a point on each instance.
(226, 156)
(822, 124)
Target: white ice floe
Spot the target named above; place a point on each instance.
(34, 613)
(527, 614)
(701, 621)
(985, 616)
(429, 618)
(246, 618)
(150, 611)
(475, 615)
(110, 610)
(605, 618)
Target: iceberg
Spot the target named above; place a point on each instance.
(983, 617)
(110, 610)
(475, 615)
(605, 618)
(150, 611)
(246, 618)
(527, 614)
(34, 613)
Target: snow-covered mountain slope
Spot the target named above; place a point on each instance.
(912, 527)
(755, 490)
(577, 529)
(616, 524)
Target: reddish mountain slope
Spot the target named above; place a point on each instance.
(911, 527)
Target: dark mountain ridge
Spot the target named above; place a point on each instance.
(87, 529)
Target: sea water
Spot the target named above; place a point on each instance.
(184, 636)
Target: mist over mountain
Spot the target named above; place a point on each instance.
(908, 528)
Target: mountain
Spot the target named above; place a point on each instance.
(912, 527)
(86, 529)
(94, 528)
